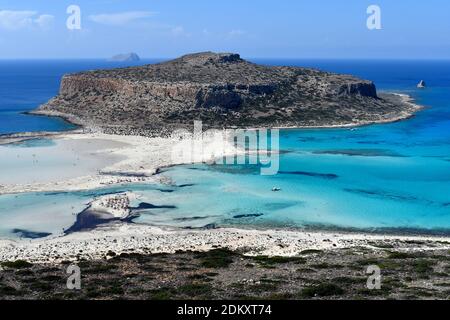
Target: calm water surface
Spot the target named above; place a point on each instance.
(393, 176)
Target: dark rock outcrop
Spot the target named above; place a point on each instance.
(221, 90)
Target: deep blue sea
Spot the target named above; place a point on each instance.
(392, 177)
(26, 84)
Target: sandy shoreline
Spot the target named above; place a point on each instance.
(141, 160)
(413, 108)
(127, 238)
(145, 156)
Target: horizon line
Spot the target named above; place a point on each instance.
(245, 57)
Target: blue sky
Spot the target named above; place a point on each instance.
(255, 28)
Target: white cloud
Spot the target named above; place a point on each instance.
(45, 20)
(15, 20)
(121, 18)
(179, 31)
(236, 33)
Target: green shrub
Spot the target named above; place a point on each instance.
(399, 255)
(217, 258)
(19, 264)
(423, 266)
(311, 251)
(195, 289)
(322, 290)
(278, 260)
(162, 294)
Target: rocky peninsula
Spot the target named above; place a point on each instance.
(222, 90)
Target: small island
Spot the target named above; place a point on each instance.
(126, 57)
(221, 90)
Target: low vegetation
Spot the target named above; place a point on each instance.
(224, 274)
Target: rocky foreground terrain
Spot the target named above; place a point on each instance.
(222, 90)
(222, 274)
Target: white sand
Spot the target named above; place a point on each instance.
(143, 156)
(120, 238)
(66, 159)
(111, 158)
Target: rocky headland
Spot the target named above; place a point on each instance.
(222, 90)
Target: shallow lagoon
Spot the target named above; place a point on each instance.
(43, 160)
(392, 176)
(328, 178)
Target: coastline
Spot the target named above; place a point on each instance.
(407, 114)
(143, 159)
(133, 238)
(145, 156)
(404, 99)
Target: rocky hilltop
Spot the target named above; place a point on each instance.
(222, 90)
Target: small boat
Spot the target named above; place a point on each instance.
(421, 84)
(275, 189)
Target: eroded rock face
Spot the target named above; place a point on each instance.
(363, 89)
(219, 89)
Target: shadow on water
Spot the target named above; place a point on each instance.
(329, 176)
(361, 152)
(30, 234)
(145, 206)
(89, 219)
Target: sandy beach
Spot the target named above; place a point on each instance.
(118, 160)
(120, 238)
(129, 159)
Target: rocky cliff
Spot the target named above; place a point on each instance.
(222, 90)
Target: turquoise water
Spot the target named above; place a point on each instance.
(392, 177)
(32, 143)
